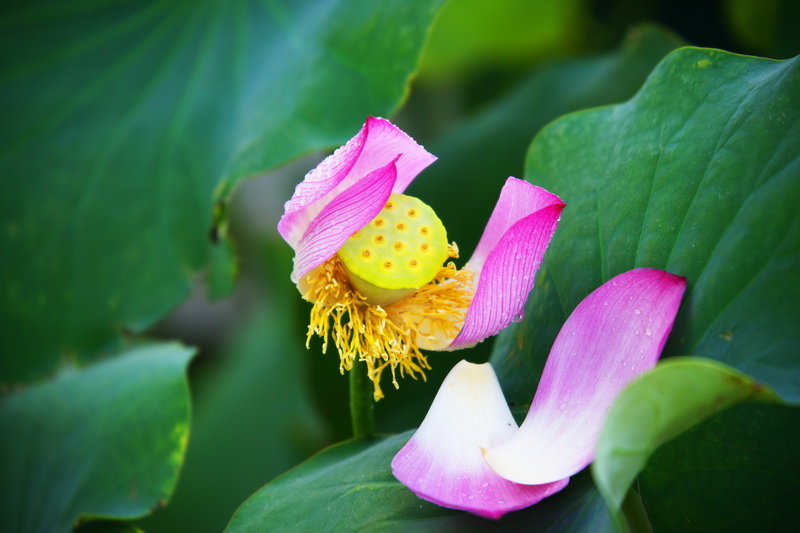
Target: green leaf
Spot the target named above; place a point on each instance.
(665, 402)
(105, 441)
(697, 175)
(351, 485)
(106, 526)
(121, 119)
(735, 473)
(253, 420)
(334, 62)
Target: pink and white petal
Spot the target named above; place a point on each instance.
(518, 199)
(350, 211)
(613, 335)
(507, 276)
(376, 144)
(442, 462)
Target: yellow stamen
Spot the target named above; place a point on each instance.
(385, 336)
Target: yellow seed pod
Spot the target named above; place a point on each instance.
(399, 251)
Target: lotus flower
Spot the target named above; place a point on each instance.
(469, 454)
(372, 260)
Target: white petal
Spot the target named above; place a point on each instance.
(443, 462)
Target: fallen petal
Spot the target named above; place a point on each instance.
(378, 143)
(613, 335)
(442, 462)
(507, 258)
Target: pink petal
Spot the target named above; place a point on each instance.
(344, 215)
(378, 143)
(507, 258)
(518, 199)
(442, 462)
(613, 335)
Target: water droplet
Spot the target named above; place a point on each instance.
(471, 496)
(563, 406)
(638, 332)
(638, 311)
(648, 331)
(501, 502)
(484, 484)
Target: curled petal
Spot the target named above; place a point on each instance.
(613, 335)
(378, 143)
(442, 462)
(518, 199)
(507, 258)
(344, 215)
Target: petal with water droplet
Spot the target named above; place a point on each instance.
(586, 372)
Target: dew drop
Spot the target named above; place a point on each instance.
(638, 311)
(563, 406)
(484, 484)
(648, 331)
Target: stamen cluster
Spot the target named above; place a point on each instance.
(385, 336)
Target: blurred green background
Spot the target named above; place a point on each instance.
(261, 402)
(481, 61)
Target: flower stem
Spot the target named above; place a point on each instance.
(635, 514)
(362, 406)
